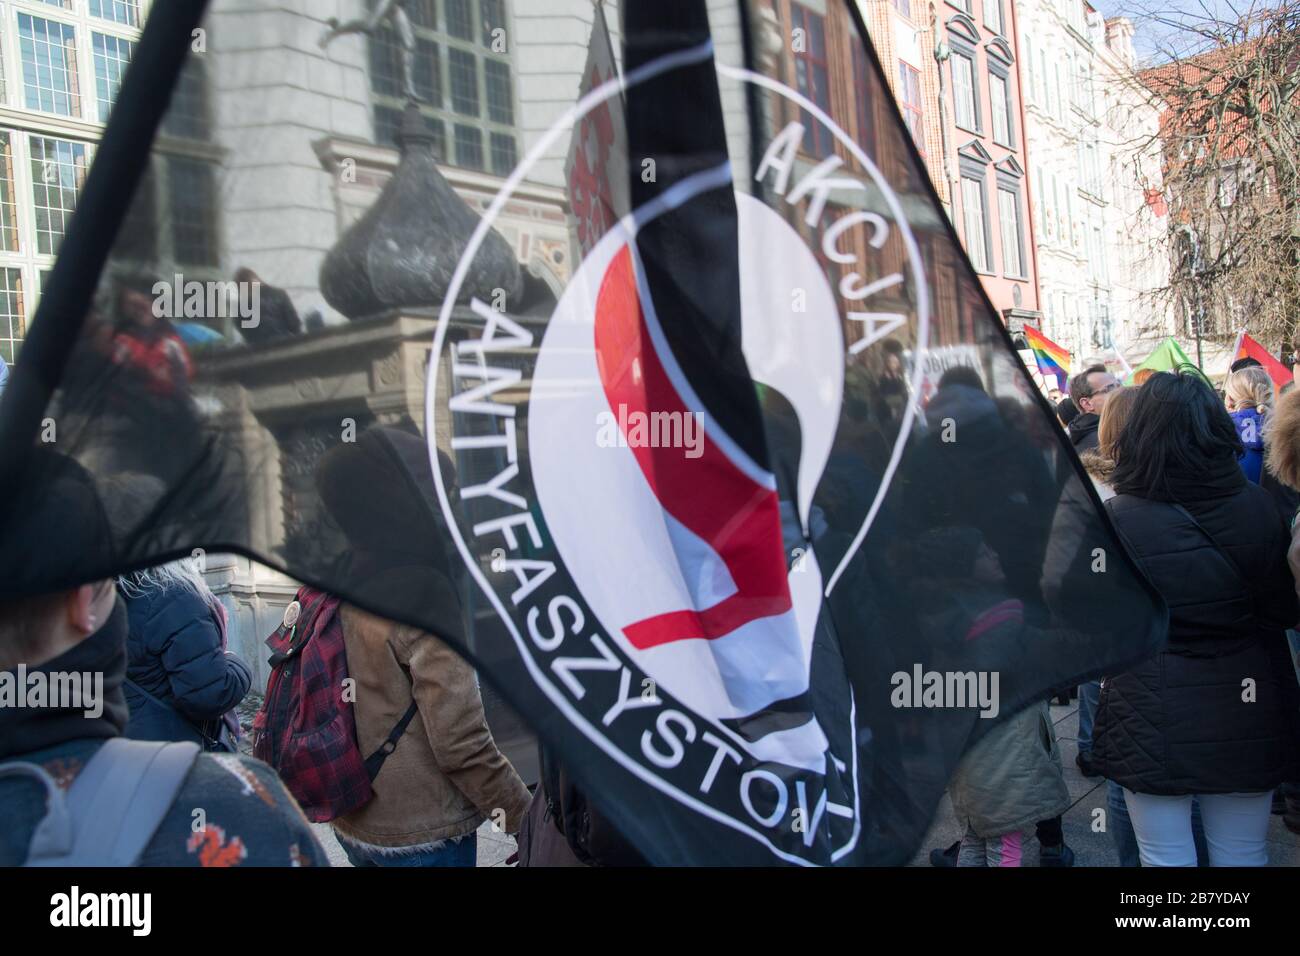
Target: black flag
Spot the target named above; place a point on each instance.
(674, 406)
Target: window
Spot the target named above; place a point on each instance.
(1045, 79)
(187, 116)
(1072, 231)
(963, 92)
(993, 15)
(1041, 208)
(49, 58)
(1012, 238)
(1027, 57)
(1059, 100)
(1089, 164)
(460, 19)
(1058, 205)
(504, 155)
(173, 222)
(904, 7)
(811, 76)
(1105, 336)
(975, 222)
(469, 147)
(8, 196)
(492, 20)
(500, 99)
(862, 103)
(13, 316)
(138, 238)
(909, 98)
(464, 82)
(463, 72)
(1000, 106)
(58, 171)
(193, 201)
(112, 56)
(126, 12)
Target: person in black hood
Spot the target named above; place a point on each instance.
(1088, 392)
(1066, 412)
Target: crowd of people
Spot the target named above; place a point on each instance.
(1198, 745)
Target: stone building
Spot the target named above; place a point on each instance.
(989, 145)
(299, 142)
(903, 35)
(1136, 220)
(1087, 126)
(61, 63)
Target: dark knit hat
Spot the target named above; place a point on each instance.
(55, 530)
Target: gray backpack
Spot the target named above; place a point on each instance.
(113, 808)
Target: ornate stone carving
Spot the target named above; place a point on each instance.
(403, 251)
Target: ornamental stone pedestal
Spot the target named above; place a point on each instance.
(283, 405)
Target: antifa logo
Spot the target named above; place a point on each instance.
(648, 582)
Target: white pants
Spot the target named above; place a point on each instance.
(1236, 828)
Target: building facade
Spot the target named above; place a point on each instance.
(987, 160)
(903, 35)
(1136, 218)
(61, 64)
(1089, 129)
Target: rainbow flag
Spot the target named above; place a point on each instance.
(1051, 358)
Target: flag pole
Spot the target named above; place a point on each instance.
(1236, 346)
(1128, 369)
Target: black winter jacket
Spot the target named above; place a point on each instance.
(1083, 431)
(1217, 711)
(174, 652)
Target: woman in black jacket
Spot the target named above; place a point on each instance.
(182, 683)
(1216, 714)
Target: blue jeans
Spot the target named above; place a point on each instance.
(1089, 695)
(1120, 826)
(462, 852)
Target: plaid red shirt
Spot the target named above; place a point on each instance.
(305, 729)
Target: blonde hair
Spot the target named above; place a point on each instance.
(1251, 388)
(1114, 416)
(1282, 451)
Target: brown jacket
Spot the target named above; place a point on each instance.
(446, 775)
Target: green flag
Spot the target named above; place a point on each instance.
(1166, 357)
